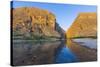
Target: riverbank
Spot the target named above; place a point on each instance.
(83, 53)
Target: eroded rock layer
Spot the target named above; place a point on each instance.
(30, 21)
(85, 25)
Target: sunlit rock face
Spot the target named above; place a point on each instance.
(29, 21)
(85, 25)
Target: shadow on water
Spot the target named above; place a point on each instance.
(41, 52)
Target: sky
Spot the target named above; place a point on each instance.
(65, 13)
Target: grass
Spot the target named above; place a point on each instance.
(35, 37)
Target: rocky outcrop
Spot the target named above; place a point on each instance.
(31, 22)
(85, 25)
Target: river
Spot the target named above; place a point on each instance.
(88, 42)
(28, 52)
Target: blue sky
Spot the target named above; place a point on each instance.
(65, 13)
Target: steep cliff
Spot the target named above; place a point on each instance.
(85, 25)
(34, 22)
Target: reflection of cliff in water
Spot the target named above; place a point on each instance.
(42, 52)
(82, 52)
(34, 53)
(27, 52)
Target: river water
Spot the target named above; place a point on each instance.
(88, 42)
(28, 52)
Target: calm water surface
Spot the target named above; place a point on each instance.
(43, 52)
(88, 42)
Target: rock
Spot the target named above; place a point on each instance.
(85, 25)
(31, 21)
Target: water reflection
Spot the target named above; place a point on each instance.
(83, 53)
(88, 42)
(64, 55)
(28, 52)
(43, 52)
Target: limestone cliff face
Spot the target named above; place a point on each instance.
(85, 25)
(29, 21)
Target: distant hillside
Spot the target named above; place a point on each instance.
(85, 25)
(35, 22)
